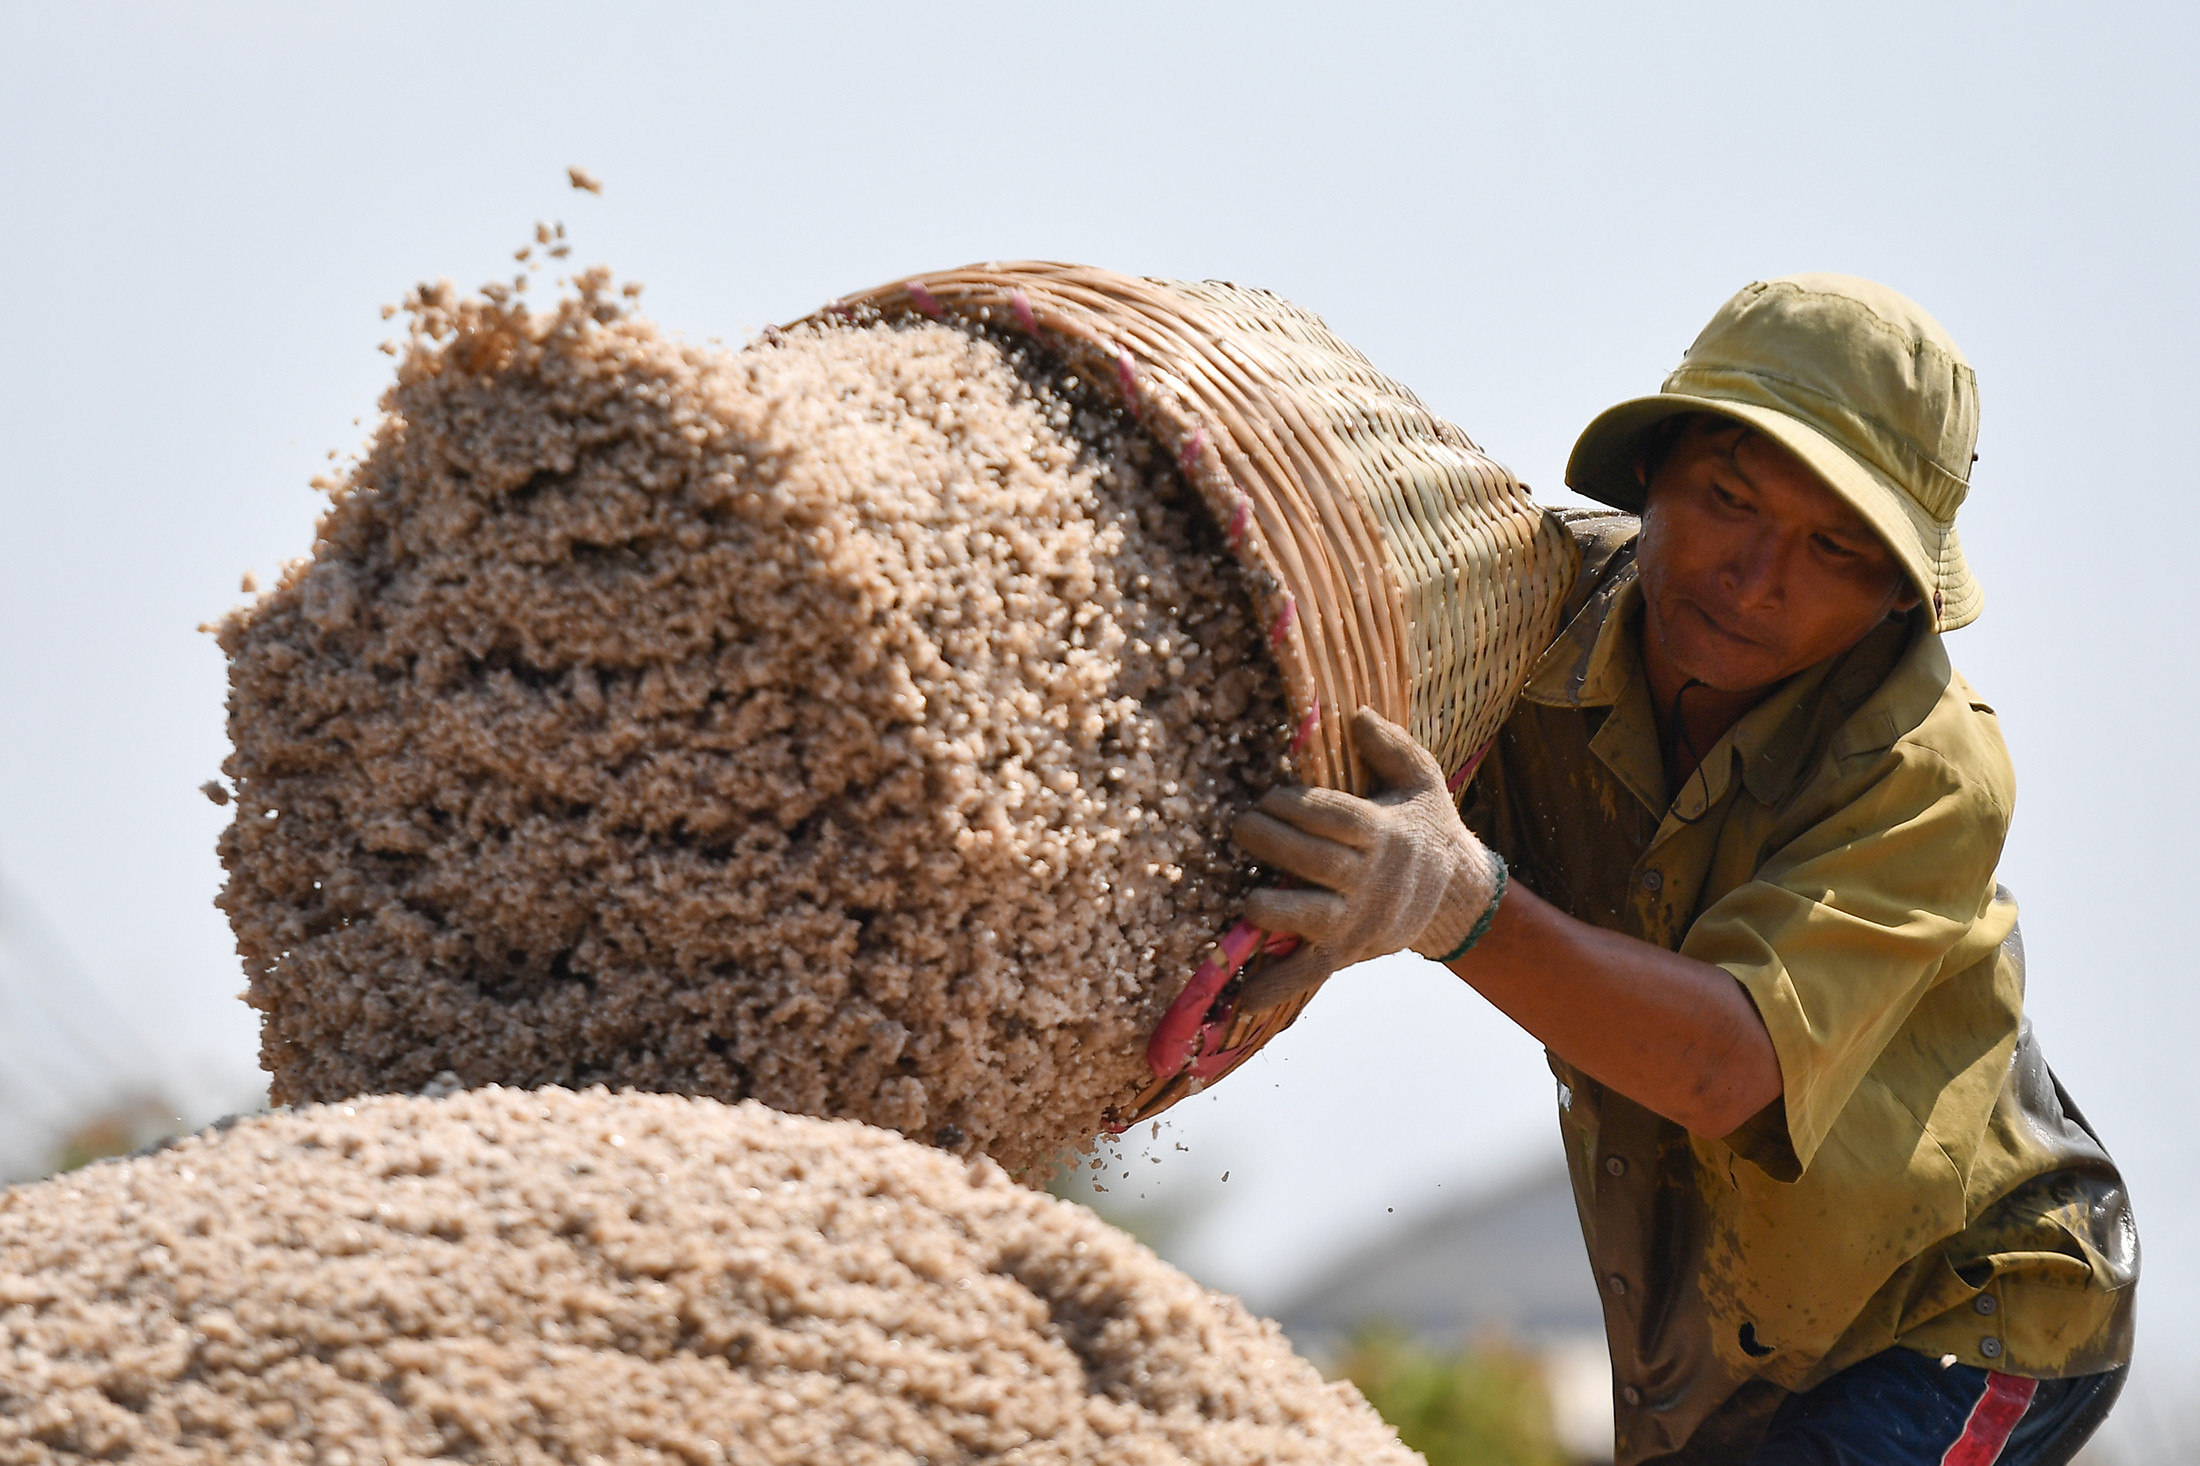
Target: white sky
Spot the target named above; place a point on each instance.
(1523, 214)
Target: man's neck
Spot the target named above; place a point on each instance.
(1691, 716)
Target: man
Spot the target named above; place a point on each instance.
(1731, 860)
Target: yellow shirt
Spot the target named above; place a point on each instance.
(1923, 1180)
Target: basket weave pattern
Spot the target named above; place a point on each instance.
(1396, 565)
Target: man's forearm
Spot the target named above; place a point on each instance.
(1676, 1035)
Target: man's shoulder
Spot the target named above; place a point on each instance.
(1604, 547)
(1603, 540)
(1923, 712)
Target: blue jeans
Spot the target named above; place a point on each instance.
(1903, 1409)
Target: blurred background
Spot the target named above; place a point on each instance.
(1523, 212)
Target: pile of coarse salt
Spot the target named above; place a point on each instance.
(535, 1277)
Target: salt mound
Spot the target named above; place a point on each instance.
(550, 1276)
(852, 723)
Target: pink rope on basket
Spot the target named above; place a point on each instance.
(1188, 1032)
(1126, 376)
(1193, 447)
(1459, 780)
(1241, 519)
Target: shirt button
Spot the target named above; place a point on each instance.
(1617, 1284)
(1615, 1166)
(1985, 1303)
(1990, 1347)
(1652, 879)
(1631, 1395)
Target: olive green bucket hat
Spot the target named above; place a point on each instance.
(1856, 381)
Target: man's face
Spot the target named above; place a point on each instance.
(1752, 569)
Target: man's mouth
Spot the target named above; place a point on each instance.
(1720, 628)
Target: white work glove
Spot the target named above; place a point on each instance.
(1398, 870)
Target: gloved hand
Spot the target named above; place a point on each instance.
(1394, 871)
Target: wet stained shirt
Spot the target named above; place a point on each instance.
(1923, 1181)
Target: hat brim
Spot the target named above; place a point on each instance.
(1606, 461)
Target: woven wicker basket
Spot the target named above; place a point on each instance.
(1396, 566)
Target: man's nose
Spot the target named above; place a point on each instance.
(1756, 574)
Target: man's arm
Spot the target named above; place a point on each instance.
(1675, 1035)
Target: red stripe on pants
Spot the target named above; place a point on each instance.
(1992, 1419)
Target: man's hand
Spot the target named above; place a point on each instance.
(1395, 871)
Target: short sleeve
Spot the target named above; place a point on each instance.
(1845, 928)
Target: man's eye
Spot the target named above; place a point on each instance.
(1727, 498)
(1835, 550)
